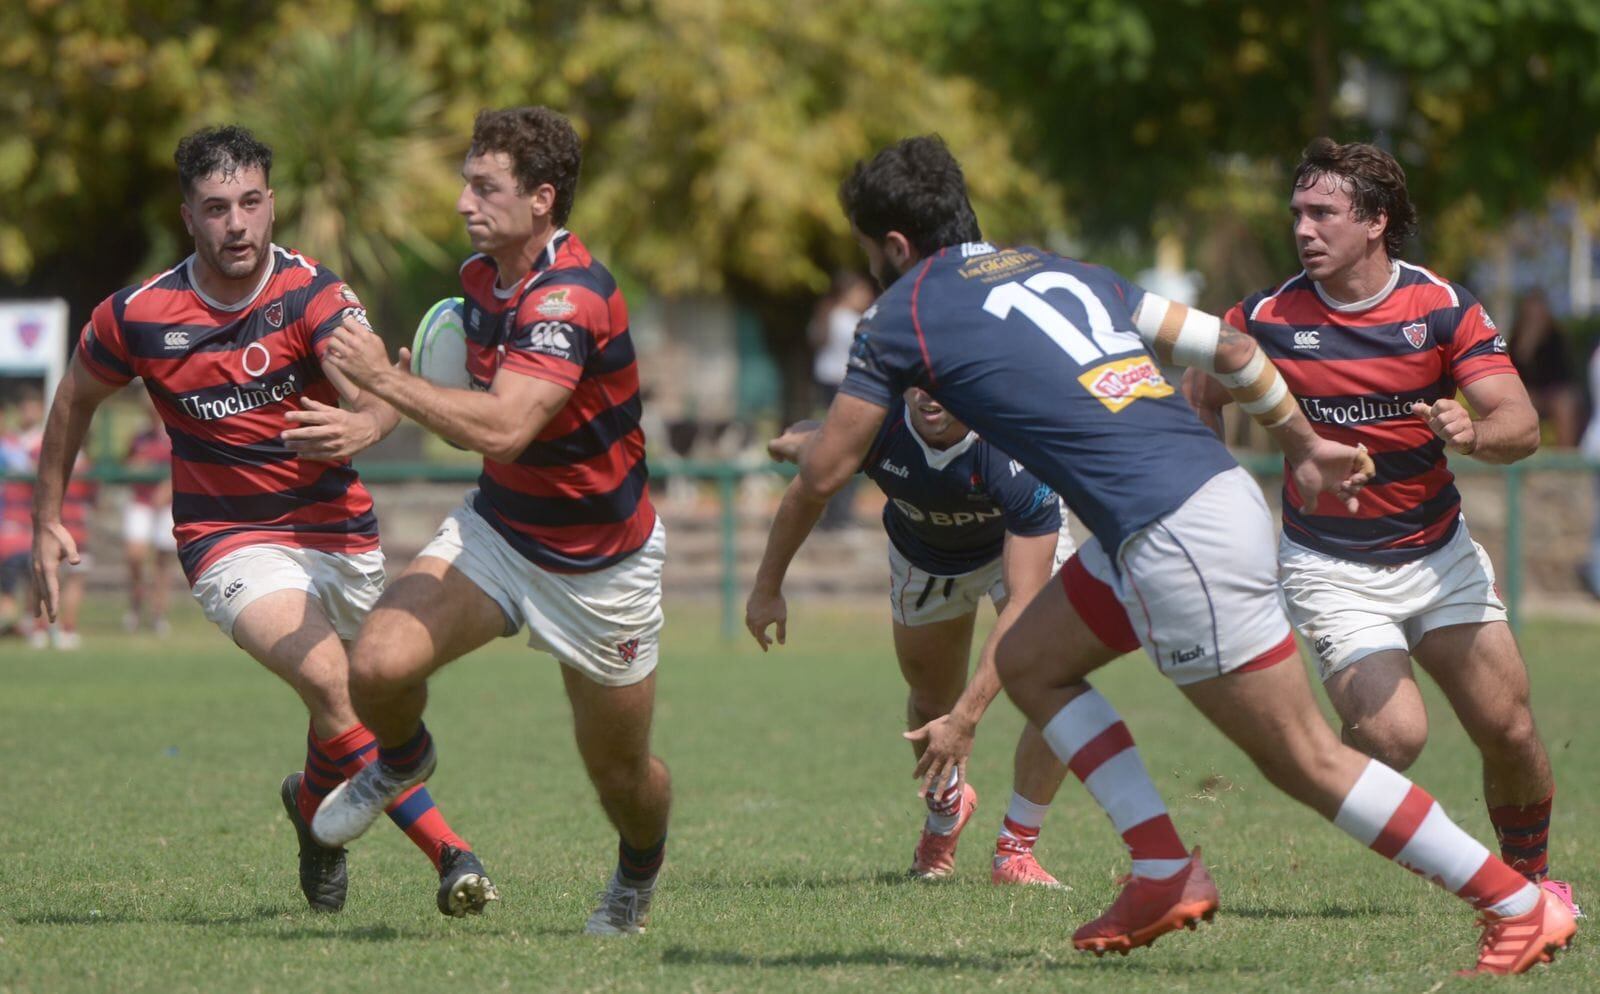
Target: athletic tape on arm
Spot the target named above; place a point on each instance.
(1178, 333)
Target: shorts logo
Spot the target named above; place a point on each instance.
(1307, 340)
(274, 314)
(175, 340)
(1324, 645)
(1416, 333)
(231, 589)
(556, 305)
(1180, 656)
(629, 650)
(1123, 381)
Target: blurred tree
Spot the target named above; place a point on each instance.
(1149, 110)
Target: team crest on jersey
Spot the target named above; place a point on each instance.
(1416, 333)
(1123, 381)
(556, 306)
(274, 314)
(348, 295)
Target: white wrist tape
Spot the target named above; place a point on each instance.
(1178, 333)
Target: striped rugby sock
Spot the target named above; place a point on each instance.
(413, 812)
(1019, 829)
(1089, 736)
(1523, 831)
(1400, 821)
(944, 804)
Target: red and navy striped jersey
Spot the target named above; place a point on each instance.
(19, 454)
(150, 449)
(222, 378)
(577, 498)
(1356, 373)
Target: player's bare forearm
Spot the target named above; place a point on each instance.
(77, 397)
(797, 515)
(1026, 567)
(495, 425)
(1506, 431)
(1509, 434)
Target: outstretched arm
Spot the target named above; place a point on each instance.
(77, 397)
(1026, 562)
(827, 460)
(1179, 334)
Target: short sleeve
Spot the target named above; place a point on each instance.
(1475, 348)
(102, 348)
(885, 357)
(557, 328)
(327, 308)
(1235, 317)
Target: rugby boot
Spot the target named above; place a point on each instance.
(1148, 909)
(464, 889)
(1517, 943)
(1562, 891)
(322, 872)
(352, 807)
(935, 855)
(1022, 868)
(624, 908)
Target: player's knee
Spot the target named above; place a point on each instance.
(620, 776)
(1395, 746)
(1511, 735)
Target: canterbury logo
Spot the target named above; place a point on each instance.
(176, 339)
(1307, 340)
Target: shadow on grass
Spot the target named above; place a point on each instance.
(796, 881)
(878, 956)
(1330, 911)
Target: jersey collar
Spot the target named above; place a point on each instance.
(939, 458)
(239, 305)
(1362, 305)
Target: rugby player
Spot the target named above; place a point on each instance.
(965, 522)
(1051, 359)
(275, 532)
(560, 535)
(1376, 349)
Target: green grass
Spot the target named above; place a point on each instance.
(146, 849)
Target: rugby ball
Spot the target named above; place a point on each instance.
(439, 349)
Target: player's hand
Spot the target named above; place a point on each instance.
(763, 610)
(1332, 468)
(329, 433)
(1451, 422)
(51, 544)
(948, 743)
(788, 446)
(356, 350)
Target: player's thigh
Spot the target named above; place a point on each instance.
(287, 632)
(1481, 672)
(432, 613)
(933, 658)
(1271, 715)
(1377, 696)
(610, 723)
(1051, 643)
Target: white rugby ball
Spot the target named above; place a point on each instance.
(439, 349)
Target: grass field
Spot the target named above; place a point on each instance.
(147, 851)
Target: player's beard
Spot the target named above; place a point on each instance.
(886, 275)
(240, 269)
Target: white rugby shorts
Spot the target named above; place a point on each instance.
(1200, 585)
(146, 524)
(606, 624)
(917, 597)
(1348, 610)
(344, 585)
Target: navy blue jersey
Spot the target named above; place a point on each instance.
(949, 510)
(1039, 355)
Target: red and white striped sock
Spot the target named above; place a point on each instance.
(1400, 821)
(1019, 829)
(1089, 736)
(944, 804)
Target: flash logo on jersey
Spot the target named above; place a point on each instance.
(1122, 381)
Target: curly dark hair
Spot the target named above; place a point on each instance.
(1375, 181)
(914, 187)
(542, 145)
(225, 150)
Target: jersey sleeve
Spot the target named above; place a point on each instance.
(326, 310)
(1031, 508)
(102, 348)
(557, 328)
(1475, 348)
(885, 357)
(1235, 317)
